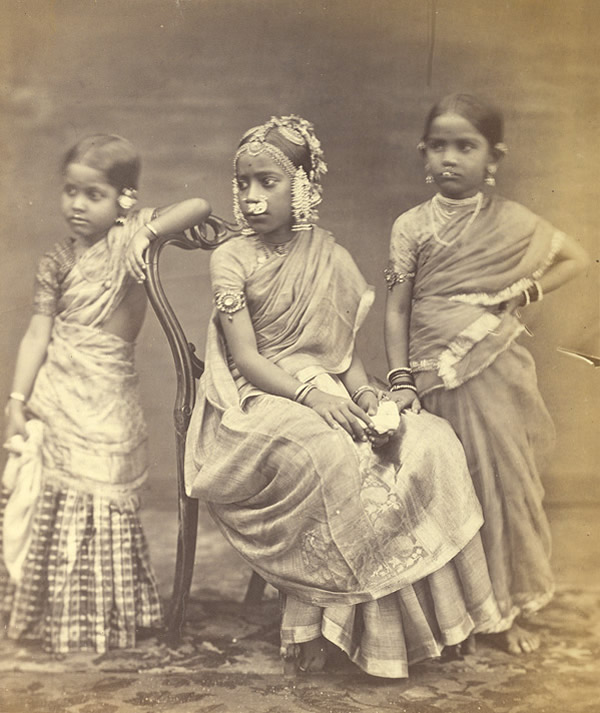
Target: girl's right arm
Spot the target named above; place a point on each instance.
(168, 220)
(267, 376)
(397, 323)
(31, 356)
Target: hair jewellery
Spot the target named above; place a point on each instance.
(306, 189)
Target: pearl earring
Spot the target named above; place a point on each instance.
(489, 180)
(428, 176)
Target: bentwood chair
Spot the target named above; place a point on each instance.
(188, 369)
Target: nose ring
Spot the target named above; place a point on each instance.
(259, 207)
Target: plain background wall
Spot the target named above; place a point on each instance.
(183, 79)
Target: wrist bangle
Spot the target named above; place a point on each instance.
(399, 371)
(302, 392)
(401, 387)
(17, 396)
(151, 229)
(527, 298)
(539, 293)
(363, 390)
(401, 378)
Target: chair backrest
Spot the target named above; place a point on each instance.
(188, 368)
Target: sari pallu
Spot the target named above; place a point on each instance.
(331, 523)
(87, 582)
(458, 323)
(471, 371)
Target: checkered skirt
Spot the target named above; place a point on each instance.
(87, 583)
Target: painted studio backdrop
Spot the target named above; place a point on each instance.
(183, 79)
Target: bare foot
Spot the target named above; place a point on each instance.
(457, 652)
(518, 640)
(313, 655)
(469, 645)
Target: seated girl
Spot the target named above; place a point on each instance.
(369, 533)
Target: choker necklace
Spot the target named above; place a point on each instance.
(268, 249)
(443, 209)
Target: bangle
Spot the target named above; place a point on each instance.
(362, 390)
(401, 387)
(17, 396)
(399, 371)
(302, 391)
(400, 377)
(151, 229)
(399, 381)
(539, 294)
(527, 298)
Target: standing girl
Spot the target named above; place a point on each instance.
(374, 549)
(460, 266)
(83, 580)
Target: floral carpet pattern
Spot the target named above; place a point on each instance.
(228, 663)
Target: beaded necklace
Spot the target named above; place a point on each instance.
(442, 211)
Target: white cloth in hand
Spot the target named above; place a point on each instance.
(22, 477)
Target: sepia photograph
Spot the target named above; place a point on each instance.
(300, 346)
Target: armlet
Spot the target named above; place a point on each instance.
(392, 277)
(230, 302)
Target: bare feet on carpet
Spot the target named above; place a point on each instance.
(516, 640)
(313, 655)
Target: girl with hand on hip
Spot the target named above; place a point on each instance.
(461, 265)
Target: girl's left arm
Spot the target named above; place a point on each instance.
(571, 260)
(171, 219)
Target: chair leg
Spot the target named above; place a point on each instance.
(255, 591)
(184, 567)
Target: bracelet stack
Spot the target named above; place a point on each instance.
(363, 390)
(401, 379)
(302, 391)
(533, 293)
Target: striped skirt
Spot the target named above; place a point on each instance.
(507, 434)
(87, 583)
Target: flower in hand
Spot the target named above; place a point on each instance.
(386, 422)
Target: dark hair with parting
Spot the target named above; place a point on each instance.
(485, 117)
(113, 155)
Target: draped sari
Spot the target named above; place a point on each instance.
(87, 581)
(342, 530)
(471, 370)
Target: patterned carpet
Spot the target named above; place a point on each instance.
(228, 662)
